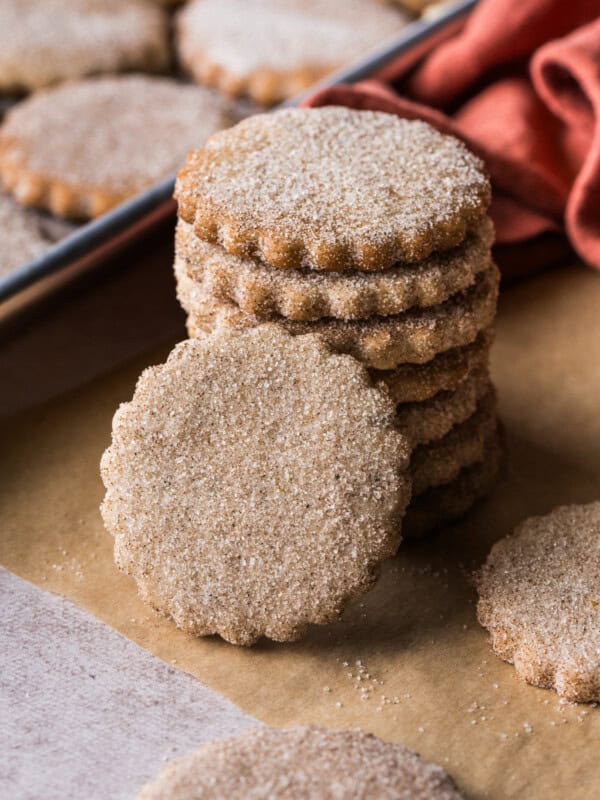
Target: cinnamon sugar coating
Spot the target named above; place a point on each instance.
(448, 502)
(270, 50)
(414, 383)
(440, 461)
(539, 597)
(381, 343)
(332, 189)
(22, 238)
(432, 419)
(46, 41)
(306, 763)
(266, 292)
(83, 147)
(254, 483)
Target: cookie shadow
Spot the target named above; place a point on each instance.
(426, 590)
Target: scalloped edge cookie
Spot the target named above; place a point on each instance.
(333, 189)
(539, 598)
(416, 383)
(304, 763)
(266, 292)
(432, 419)
(82, 167)
(50, 42)
(214, 498)
(381, 343)
(270, 52)
(440, 461)
(447, 503)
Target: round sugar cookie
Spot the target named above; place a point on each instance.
(448, 502)
(46, 41)
(539, 597)
(382, 343)
(81, 148)
(270, 50)
(306, 763)
(267, 292)
(333, 189)
(22, 238)
(254, 483)
(440, 461)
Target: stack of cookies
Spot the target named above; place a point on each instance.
(371, 231)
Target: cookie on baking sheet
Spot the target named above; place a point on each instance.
(82, 148)
(539, 597)
(333, 189)
(415, 383)
(47, 41)
(270, 50)
(441, 460)
(266, 292)
(254, 483)
(306, 763)
(448, 502)
(22, 239)
(432, 419)
(379, 342)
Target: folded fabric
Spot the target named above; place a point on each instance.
(521, 85)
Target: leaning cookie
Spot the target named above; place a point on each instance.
(333, 189)
(270, 50)
(381, 343)
(82, 148)
(308, 763)
(539, 597)
(42, 43)
(267, 292)
(254, 484)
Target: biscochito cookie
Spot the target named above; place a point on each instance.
(82, 148)
(254, 484)
(415, 383)
(45, 42)
(22, 238)
(270, 50)
(265, 292)
(432, 419)
(379, 342)
(448, 502)
(308, 763)
(441, 460)
(333, 189)
(539, 597)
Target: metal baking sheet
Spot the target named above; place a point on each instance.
(90, 245)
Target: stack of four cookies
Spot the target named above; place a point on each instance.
(371, 231)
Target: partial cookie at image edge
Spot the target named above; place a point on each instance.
(304, 762)
(539, 599)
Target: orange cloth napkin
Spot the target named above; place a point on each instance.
(521, 85)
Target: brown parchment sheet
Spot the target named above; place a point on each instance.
(445, 693)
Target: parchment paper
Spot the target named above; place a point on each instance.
(416, 632)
